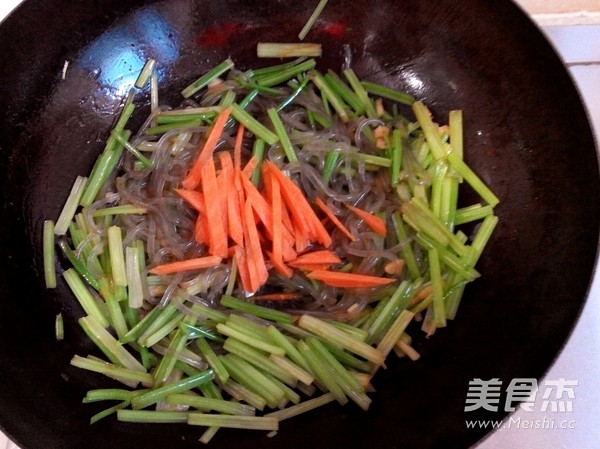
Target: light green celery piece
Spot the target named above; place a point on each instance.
(284, 138)
(59, 327)
(110, 394)
(387, 92)
(389, 340)
(167, 363)
(360, 92)
(293, 369)
(49, 254)
(440, 169)
(125, 375)
(342, 89)
(213, 360)
(84, 297)
(217, 405)
(354, 331)
(312, 19)
(241, 393)
(152, 416)
(70, 207)
(439, 308)
(142, 325)
(145, 73)
(250, 340)
(258, 151)
(117, 256)
(480, 240)
(123, 139)
(330, 164)
(449, 200)
(249, 327)
(115, 352)
(473, 180)
(396, 157)
(384, 317)
(117, 319)
(472, 213)
(159, 394)
(134, 277)
(303, 407)
(370, 159)
(231, 421)
(407, 250)
(277, 77)
(163, 331)
(259, 360)
(253, 125)
(109, 411)
(288, 50)
(338, 337)
(330, 95)
(430, 130)
(253, 309)
(347, 382)
(205, 79)
(451, 261)
(127, 209)
(163, 316)
(253, 379)
(455, 123)
(286, 344)
(323, 372)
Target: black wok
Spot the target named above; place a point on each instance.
(527, 135)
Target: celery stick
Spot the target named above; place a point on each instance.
(159, 394)
(330, 95)
(236, 422)
(213, 360)
(284, 139)
(252, 341)
(253, 309)
(59, 327)
(312, 19)
(84, 297)
(360, 92)
(117, 256)
(49, 254)
(145, 73)
(217, 405)
(439, 309)
(109, 411)
(124, 375)
(152, 416)
(387, 92)
(205, 79)
(323, 372)
(302, 407)
(253, 125)
(70, 207)
(287, 50)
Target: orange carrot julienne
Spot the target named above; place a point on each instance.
(234, 216)
(348, 280)
(242, 265)
(201, 230)
(323, 256)
(335, 220)
(192, 197)
(192, 180)
(216, 232)
(373, 221)
(300, 208)
(279, 266)
(256, 262)
(310, 266)
(277, 224)
(250, 166)
(237, 148)
(186, 265)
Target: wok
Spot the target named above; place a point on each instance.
(527, 135)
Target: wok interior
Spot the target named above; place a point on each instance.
(526, 134)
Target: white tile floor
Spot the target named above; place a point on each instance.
(579, 46)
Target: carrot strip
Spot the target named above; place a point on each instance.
(250, 166)
(223, 187)
(324, 257)
(301, 240)
(216, 232)
(348, 280)
(335, 220)
(267, 193)
(192, 180)
(277, 225)
(234, 216)
(237, 148)
(310, 266)
(286, 296)
(186, 265)
(242, 264)
(192, 197)
(279, 266)
(201, 230)
(373, 221)
(256, 262)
